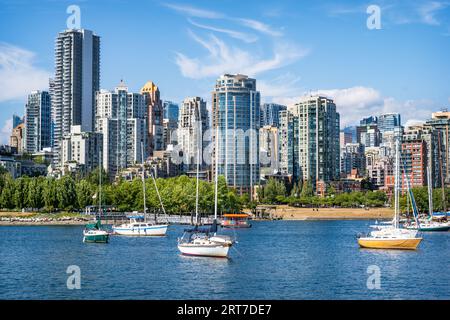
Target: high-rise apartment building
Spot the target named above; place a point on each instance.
(440, 121)
(430, 136)
(171, 111)
(121, 118)
(193, 123)
(414, 163)
(344, 138)
(77, 78)
(37, 121)
(288, 145)
(368, 121)
(17, 138)
(270, 114)
(368, 135)
(80, 151)
(353, 158)
(155, 113)
(269, 149)
(318, 140)
(236, 115)
(388, 122)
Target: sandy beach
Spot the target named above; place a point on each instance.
(291, 213)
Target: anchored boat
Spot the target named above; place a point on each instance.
(205, 242)
(235, 220)
(428, 224)
(393, 237)
(139, 226)
(93, 233)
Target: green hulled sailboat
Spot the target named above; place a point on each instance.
(93, 233)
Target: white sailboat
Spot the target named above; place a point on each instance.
(138, 228)
(428, 224)
(205, 242)
(393, 237)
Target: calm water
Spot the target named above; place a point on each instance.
(273, 260)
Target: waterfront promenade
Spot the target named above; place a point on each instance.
(279, 212)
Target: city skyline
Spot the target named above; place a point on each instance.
(407, 76)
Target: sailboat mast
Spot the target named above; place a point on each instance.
(397, 183)
(430, 192)
(216, 171)
(441, 169)
(100, 183)
(199, 136)
(159, 196)
(143, 182)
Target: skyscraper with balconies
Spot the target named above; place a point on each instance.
(388, 122)
(121, 117)
(155, 114)
(236, 115)
(193, 123)
(37, 121)
(270, 114)
(317, 144)
(77, 78)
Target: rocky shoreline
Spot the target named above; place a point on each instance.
(5, 221)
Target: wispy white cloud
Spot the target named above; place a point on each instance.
(232, 33)
(5, 132)
(194, 12)
(284, 85)
(18, 74)
(260, 26)
(191, 11)
(358, 102)
(428, 12)
(224, 58)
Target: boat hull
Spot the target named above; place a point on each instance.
(400, 244)
(99, 238)
(150, 231)
(426, 228)
(236, 226)
(216, 251)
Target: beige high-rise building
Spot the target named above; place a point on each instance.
(17, 136)
(155, 113)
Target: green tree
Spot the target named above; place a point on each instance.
(49, 194)
(20, 196)
(7, 192)
(84, 194)
(66, 193)
(307, 190)
(35, 186)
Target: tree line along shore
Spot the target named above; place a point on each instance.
(72, 194)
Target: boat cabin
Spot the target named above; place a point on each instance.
(236, 220)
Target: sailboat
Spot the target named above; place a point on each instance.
(393, 237)
(205, 242)
(138, 228)
(93, 232)
(428, 224)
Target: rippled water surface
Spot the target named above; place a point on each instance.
(273, 260)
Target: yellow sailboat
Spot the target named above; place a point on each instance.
(392, 236)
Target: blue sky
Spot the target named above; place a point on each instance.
(291, 47)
